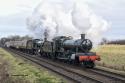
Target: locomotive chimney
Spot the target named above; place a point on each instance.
(45, 35)
(45, 39)
(82, 36)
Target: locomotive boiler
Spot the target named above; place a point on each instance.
(78, 45)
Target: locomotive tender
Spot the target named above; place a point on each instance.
(62, 48)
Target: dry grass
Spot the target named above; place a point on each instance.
(113, 56)
(3, 71)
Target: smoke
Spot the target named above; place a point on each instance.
(66, 17)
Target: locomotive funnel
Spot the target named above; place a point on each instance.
(82, 36)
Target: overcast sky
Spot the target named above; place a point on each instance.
(13, 14)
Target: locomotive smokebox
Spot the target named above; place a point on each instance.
(82, 36)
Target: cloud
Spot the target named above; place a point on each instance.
(14, 12)
(114, 12)
(10, 7)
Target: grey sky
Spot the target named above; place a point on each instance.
(13, 14)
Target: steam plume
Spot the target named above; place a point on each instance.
(66, 17)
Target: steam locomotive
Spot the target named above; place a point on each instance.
(62, 48)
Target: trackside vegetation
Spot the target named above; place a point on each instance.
(112, 56)
(16, 70)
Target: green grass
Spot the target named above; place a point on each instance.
(27, 73)
(112, 56)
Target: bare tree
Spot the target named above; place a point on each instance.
(104, 41)
(26, 37)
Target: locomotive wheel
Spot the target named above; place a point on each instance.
(88, 64)
(91, 64)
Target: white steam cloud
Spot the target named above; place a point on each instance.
(66, 17)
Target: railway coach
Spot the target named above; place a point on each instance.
(29, 46)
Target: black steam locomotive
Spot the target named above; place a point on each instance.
(60, 48)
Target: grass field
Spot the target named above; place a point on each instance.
(112, 56)
(16, 70)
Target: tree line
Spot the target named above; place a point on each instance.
(14, 38)
(118, 42)
(17, 37)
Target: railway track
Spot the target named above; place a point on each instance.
(76, 74)
(112, 75)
